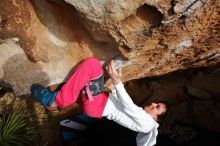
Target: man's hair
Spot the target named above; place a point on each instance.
(163, 114)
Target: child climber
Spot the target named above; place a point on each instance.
(85, 87)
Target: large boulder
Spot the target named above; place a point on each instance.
(155, 36)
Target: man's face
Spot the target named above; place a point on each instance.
(155, 109)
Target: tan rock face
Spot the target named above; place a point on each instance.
(41, 42)
(155, 36)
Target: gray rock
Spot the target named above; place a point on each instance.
(201, 94)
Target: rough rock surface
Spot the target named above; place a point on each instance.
(156, 36)
(42, 41)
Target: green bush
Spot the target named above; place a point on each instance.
(17, 127)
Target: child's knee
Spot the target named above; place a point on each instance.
(92, 62)
(92, 59)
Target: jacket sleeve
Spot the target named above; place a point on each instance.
(147, 139)
(143, 122)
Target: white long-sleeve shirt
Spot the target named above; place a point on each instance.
(121, 109)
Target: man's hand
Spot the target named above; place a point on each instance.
(113, 73)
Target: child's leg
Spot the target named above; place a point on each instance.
(43, 95)
(88, 70)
